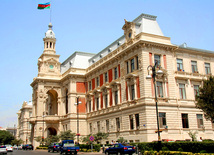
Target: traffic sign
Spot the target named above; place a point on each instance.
(91, 138)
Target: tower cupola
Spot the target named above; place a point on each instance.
(49, 41)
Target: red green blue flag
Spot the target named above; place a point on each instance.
(44, 6)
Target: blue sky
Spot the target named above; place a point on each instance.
(87, 26)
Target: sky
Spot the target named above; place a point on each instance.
(87, 26)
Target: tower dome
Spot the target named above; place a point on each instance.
(50, 33)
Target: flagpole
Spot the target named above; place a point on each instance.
(50, 11)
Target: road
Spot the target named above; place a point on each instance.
(43, 152)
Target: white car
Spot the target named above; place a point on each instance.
(3, 149)
(9, 148)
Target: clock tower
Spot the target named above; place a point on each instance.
(48, 62)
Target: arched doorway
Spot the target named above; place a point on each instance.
(52, 103)
(52, 132)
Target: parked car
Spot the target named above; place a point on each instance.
(120, 149)
(9, 148)
(68, 146)
(3, 149)
(20, 147)
(53, 147)
(27, 147)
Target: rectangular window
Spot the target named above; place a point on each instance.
(157, 59)
(97, 103)
(98, 82)
(200, 121)
(115, 73)
(162, 119)
(131, 122)
(207, 68)
(106, 100)
(90, 126)
(212, 124)
(185, 122)
(132, 92)
(107, 125)
(98, 126)
(89, 104)
(137, 63)
(179, 64)
(182, 91)
(132, 65)
(127, 67)
(106, 77)
(194, 66)
(118, 124)
(116, 97)
(159, 89)
(89, 85)
(196, 90)
(137, 121)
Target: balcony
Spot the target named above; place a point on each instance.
(51, 118)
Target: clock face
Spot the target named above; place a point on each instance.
(51, 66)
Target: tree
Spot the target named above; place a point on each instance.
(205, 99)
(121, 140)
(100, 136)
(193, 135)
(86, 139)
(39, 139)
(51, 139)
(5, 137)
(17, 142)
(66, 135)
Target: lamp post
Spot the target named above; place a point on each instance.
(154, 73)
(78, 102)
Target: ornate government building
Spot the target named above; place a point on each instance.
(116, 97)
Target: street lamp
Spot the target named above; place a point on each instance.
(154, 73)
(78, 102)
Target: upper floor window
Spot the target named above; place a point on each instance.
(179, 64)
(106, 100)
(89, 85)
(159, 89)
(131, 122)
(115, 73)
(90, 127)
(89, 106)
(98, 105)
(207, 68)
(116, 97)
(107, 125)
(182, 91)
(98, 81)
(137, 121)
(98, 126)
(137, 63)
(132, 92)
(127, 66)
(194, 66)
(196, 90)
(200, 120)
(106, 77)
(132, 65)
(118, 124)
(185, 122)
(157, 59)
(162, 119)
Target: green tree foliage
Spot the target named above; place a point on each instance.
(205, 99)
(121, 140)
(6, 137)
(66, 135)
(17, 142)
(193, 135)
(39, 139)
(100, 136)
(86, 139)
(51, 139)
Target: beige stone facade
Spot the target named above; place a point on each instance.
(115, 95)
(24, 126)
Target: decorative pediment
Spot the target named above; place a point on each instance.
(129, 30)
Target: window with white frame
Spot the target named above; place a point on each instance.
(159, 86)
(182, 91)
(131, 121)
(106, 77)
(116, 97)
(196, 90)
(97, 103)
(89, 85)
(200, 120)
(98, 81)
(106, 100)
(179, 64)
(157, 59)
(137, 121)
(162, 119)
(194, 66)
(127, 67)
(115, 73)
(185, 121)
(132, 64)
(89, 106)
(132, 92)
(207, 68)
